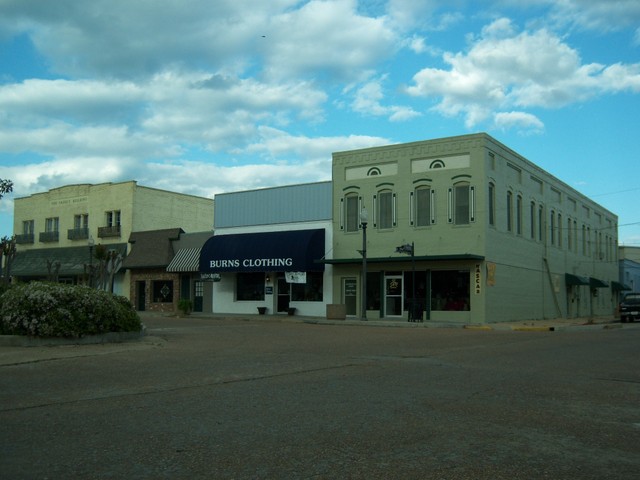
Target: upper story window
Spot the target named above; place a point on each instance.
(27, 235)
(113, 218)
(509, 212)
(461, 204)
(80, 230)
(351, 213)
(532, 220)
(385, 202)
(28, 227)
(422, 204)
(519, 215)
(540, 223)
(559, 228)
(492, 204)
(112, 225)
(51, 224)
(50, 233)
(552, 227)
(81, 221)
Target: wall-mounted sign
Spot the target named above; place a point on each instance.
(211, 277)
(477, 281)
(491, 274)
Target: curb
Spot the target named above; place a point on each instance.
(109, 337)
(533, 329)
(477, 327)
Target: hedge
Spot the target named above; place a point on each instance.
(42, 309)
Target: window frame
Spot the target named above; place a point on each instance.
(422, 211)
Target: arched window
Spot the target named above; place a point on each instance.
(509, 211)
(492, 204)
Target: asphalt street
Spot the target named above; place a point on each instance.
(206, 398)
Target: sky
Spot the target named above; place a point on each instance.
(211, 96)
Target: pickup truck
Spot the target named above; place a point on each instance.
(630, 307)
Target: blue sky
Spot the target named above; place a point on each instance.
(203, 97)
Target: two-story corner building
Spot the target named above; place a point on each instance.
(58, 232)
(484, 235)
(267, 251)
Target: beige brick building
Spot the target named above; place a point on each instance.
(58, 231)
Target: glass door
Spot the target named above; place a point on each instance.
(393, 296)
(284, 295)
(350, 295)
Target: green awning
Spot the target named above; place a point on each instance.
(571, 279)
(596, 283)
(619, 287)
(72, 260)
(404, 258)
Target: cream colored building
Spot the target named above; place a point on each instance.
(65, 224)
(495, 237)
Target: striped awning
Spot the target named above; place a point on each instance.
(185, 260)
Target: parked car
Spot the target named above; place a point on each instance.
(630, 307)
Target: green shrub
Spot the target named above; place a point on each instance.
(57, 310)
(3, 288)
(185, 306)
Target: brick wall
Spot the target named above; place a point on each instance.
(161, 290)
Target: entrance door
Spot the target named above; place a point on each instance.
(350, 295)
(393, 296)
(283, 294)
(141, 288)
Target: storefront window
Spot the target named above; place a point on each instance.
(450, 290)
(250, 286)
(373, 290)
(310, 291)
(162, 291)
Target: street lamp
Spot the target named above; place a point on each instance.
(409, 250)
(364, 219)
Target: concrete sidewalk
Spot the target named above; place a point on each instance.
(529, 325)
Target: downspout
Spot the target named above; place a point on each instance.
(553, 290)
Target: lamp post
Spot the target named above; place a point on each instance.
(364, 219)
(409, 250)
(91, 244)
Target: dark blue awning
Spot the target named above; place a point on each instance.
(291, 251)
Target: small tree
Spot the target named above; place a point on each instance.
(6, 186)
(7, 254)
(7, 245)
(53, 268)
(109, 262)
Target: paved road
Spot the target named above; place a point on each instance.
(248, 399)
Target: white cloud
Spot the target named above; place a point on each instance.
(368, 99)
(602, 15)
(280, 144)
(327, 39)
(504, 69)
(518, 120)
